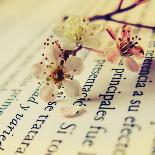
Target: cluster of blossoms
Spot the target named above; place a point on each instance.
(60, 64)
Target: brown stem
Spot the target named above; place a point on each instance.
(120, 4)
(109, 16)
(133, 24)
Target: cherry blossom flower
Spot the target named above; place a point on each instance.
(77, 31)
(54, 73)
(126, 46)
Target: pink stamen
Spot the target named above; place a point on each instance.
(111, 33)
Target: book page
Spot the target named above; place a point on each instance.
(119, 117)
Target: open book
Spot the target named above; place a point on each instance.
(119, 117)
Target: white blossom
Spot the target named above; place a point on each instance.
(54, 74)
(77, 31)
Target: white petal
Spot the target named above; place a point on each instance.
(95, 27)
(72, 88)
(39, 70)
(92, 43)
(36, 70)
(71, 111)
(74, 65)
(47, 92)
(52, 53)
(56, 52)
(58, 31)
(67, 44)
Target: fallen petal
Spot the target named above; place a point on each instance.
(71, 111)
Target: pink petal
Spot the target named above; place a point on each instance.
(72, 88)
(113, 54)
(125, 32)
(131, 64)
(47, 92)
(138, 52)
(111, 33)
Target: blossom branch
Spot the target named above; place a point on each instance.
(74, 52)
(120, 4)
(109, 16)
(133, 24)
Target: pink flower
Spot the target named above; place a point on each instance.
(125, 46)
(54, 72)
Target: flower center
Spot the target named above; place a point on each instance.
(127, 44)
(124, 48)
(58, 75)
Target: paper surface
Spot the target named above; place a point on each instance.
(119, 104)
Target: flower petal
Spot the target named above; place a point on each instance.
(71, 111)
(112, 54)
(91, 42)
(125, 32)
(52, 53)
(138, 52)
(58, 31)
(72, 88)
(131, 64)
(40, 71)
(47, 92)
(74, 65)
(95, 27)
(67, 44)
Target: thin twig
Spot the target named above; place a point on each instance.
(132, 24)
(120, 4)
(93, 50)
(119, 9)
(74, 52)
